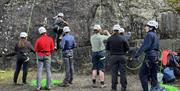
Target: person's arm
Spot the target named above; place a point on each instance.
(65, 22)
(52, 45)
(63, 43)
(146, 44)
(31, 47)
(36, 46)
(107, 45)
(126, 46)
(74, 43)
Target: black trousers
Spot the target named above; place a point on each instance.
(117, 63)
(18, 68)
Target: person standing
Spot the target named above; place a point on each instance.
(44, 47)
(59, 24)
(149, 67)
(118, 46)
(98, 54)
(67, 45)
(22, 48)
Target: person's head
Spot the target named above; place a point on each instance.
(66, 30)
(116, 29)
(42, 30)
(151, 26)
(23, 39)
(97, 28)
(60, 15)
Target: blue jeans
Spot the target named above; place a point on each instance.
(149, 69)
(47, 62)
(69, 66)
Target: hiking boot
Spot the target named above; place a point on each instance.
(113, 89)
(70, 82)
(103, 85)
(64, 85)
(38, 89)
(47, 88)
(94, 85)
(123, 89)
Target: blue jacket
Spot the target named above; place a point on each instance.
(150, 45)
(68, 42)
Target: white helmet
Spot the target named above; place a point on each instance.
(42, 30)
(23, 34)
(121, 30)
(66, 29)
(60, 14)
(97, 27)
(116, 27)
(153, 23)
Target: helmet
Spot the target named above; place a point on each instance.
(97, 27)
(66, 29)
(41, 30)
(153, 23)
(121, 30)
(60, 14)
(116, 27)
(23, 34)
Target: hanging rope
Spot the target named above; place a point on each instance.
(30, 17)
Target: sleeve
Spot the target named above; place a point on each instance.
(107, 45)
(74, 43)
(52, 45)
(104, 37)
(16, 48)
(126, 46)
(146, 44)
(36, 46)
(31, 47)
(63, 43)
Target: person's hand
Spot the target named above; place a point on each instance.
(58, 62)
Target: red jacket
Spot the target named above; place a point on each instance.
(44, 45)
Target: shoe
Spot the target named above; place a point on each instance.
(38, 89)
(94, 85)
(47, 88)
(113, 89)
(24, 83)
(64, 85)
(70, 82)
(123, 89)
(103, 85)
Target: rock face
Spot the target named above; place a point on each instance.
(28, 15)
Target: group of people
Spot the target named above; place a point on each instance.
(116, 44)
(44, 47)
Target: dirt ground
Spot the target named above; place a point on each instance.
(81, 83)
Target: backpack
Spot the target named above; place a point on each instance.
(168, 75)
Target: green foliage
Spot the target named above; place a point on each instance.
(177, 8)
(175, 4)
(174, 1)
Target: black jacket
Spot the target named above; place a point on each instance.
(117, 45)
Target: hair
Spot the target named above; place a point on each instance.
(151, 28)
(22, 41)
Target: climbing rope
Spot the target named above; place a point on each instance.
(30, 17)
